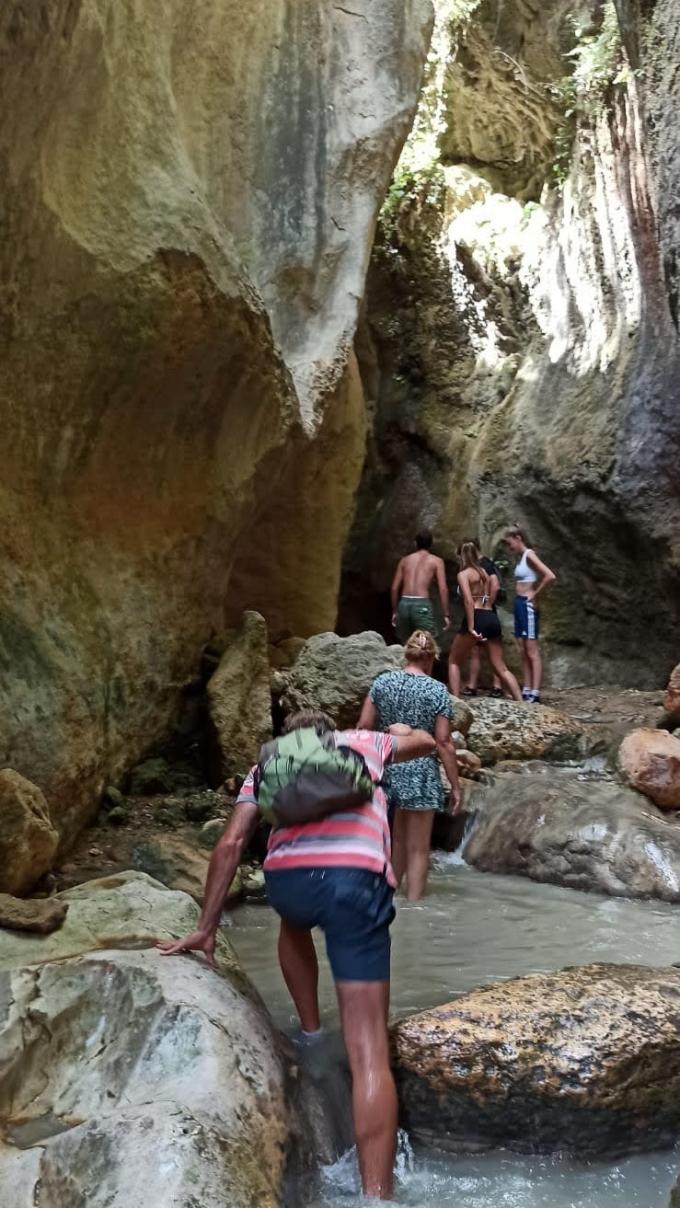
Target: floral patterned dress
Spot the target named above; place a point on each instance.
(417, 701)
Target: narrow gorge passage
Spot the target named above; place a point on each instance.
(518, 341)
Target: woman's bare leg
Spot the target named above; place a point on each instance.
(399, 839)
(533, 654)
(473, 669)
(462, 644)
(418, 839)
(526, 665)
(506, 677)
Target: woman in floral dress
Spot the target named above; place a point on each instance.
(412, 698)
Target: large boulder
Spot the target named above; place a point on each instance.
(671, 702)
(650, 760)
(125, 1069)
(239, 696)
(602, 837)
(183, 421)
(28, 840)
(508, 729)
(334, 674)
(586, 1060)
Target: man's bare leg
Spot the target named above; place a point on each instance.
(363, 1014)
(300, 968)
(418, 840)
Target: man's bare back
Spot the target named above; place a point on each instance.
(417, 571)
(411, 607)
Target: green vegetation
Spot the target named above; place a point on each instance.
(418, 180)
(598, 65)
(411, 193)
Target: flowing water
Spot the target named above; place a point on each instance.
(473, 929)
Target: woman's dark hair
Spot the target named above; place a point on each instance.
(309, 719)
(424, 539)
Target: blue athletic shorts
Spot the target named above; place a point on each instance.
(526, 618)
(353, 908)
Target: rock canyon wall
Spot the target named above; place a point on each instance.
(189, 196)
(519, 346)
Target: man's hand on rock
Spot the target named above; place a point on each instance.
(455, 801)
(196, 941)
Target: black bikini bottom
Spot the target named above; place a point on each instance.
(486, 624)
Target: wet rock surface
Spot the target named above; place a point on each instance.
(334, 674)
(586, 1060)
(504, 729)
(556, 826)
(122, 1069)
(650, 761)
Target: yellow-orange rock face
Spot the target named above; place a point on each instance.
(189, 189)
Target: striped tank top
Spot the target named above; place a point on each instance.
(356, 838)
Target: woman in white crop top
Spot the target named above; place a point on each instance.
(531, 576)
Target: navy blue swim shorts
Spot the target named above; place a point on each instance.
(526, 618)
(352, 906)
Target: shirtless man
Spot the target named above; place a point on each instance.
(411, 606)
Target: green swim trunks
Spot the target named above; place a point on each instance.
(415, 612)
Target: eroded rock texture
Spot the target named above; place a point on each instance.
(334, 674)
(188, 201)
(504, 729)
(123, 1070)
(583, 1060)
(521, 342)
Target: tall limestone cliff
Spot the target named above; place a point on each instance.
(189, 192)
(520, 344)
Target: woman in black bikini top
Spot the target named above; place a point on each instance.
(480, 623)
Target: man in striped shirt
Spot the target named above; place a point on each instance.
(335, 874)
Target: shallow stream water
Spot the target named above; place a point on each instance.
(472, 929)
